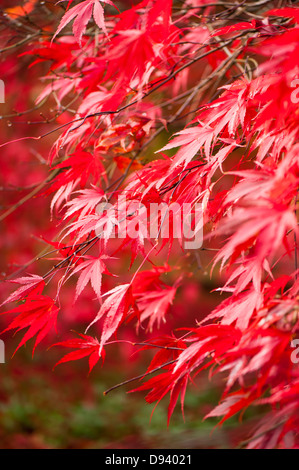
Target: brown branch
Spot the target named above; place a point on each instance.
(28, 196)
(138, 377)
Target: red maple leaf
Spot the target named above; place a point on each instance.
(91, 270)
(39, 314)
(85, 346)
(82, 14)
(114, 310)
(30, 284)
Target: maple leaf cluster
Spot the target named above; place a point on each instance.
(221, 84)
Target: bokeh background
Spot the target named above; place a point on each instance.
(65, 408)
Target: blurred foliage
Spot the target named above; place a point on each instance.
(61, 409)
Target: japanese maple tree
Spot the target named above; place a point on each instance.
(188, 105)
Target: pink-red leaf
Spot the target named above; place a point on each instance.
(86, 346)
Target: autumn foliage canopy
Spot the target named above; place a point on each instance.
(191, 105)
